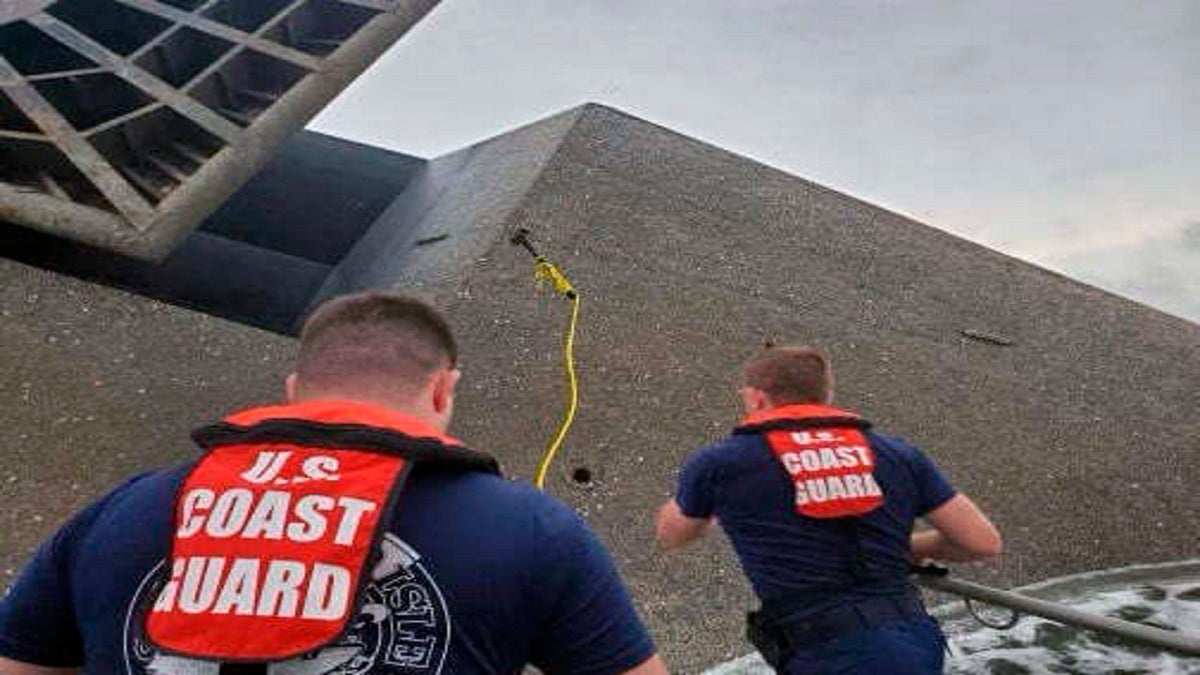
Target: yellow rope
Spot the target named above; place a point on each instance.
(546, 270)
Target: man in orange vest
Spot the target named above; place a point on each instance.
(342, 532)
(820, 510)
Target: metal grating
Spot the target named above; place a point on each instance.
(124, 123)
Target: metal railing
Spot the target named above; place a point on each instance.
(938, 579)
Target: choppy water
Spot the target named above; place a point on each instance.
(1167, 596)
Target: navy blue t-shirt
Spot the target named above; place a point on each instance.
(798, 565)
(480, 575)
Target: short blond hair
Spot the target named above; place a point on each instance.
(372, 336)
(790, 375)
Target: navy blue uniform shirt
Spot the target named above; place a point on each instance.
(799, 565)
(482, 575)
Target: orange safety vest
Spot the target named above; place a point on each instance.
(825, 453)
(276, 525)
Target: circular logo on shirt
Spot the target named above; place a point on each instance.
(402, 627)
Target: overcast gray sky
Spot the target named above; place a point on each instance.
(1062, 132)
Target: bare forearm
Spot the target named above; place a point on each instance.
(674, 530)
(961, 533)
(9, 667)
(933, 545)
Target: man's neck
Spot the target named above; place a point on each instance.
(404, 406)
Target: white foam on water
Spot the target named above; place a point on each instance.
(750, 664)
(1038, 646)
(1166, 595)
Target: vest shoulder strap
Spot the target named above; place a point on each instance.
(798, 423)
(426, 453)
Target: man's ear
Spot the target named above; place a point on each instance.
(755, 399)
(291, 386)
(443, 388)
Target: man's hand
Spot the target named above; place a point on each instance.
(651, 666)
(675, 529)
(961, 534)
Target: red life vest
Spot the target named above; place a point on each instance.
(825, 453)
(276, 525)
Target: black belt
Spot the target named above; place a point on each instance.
(853, 616)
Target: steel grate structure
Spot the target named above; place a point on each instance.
(124, 123)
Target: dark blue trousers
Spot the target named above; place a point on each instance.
(911, 646)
